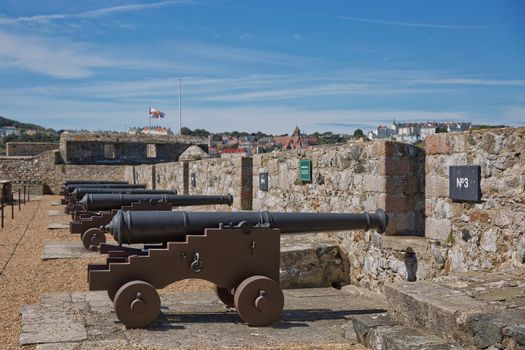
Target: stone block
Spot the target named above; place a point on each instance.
(437, 144)
(406, 338)
(396, 166)
(437, 309)
(363, 324)
(406, 244)
(436, 186)
(394, 202)
(373, 183)
(438, 229)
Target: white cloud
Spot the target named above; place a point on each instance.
(50, 57)
(42, 19)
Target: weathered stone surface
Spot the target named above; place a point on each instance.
(66, 250)
(439, 229)
(404, 338)
(364, 324)
(47, 324)
(56, 212)
(440, 310)
(58, 225)
(309, 261)
(198, 320)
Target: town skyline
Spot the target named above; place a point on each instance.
(265, 66)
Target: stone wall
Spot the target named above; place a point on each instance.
(484, 235)
(215, 176)
(348, 178)
(16, 149)
(123, 148)
(47, 170)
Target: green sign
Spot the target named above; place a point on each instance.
(305, 170)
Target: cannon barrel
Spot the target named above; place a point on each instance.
(72, 187)
(80, 192)
(115, 201)
(128, 227)
(72, 182)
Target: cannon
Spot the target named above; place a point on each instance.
(115, 201)
(80, 192)
(85, 182)
(69, 189)
(238, 251)
(88, 225)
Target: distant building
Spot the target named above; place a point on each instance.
(240, 152)
(295, 141)
(414, 132)
(9, 130)
(154, 130)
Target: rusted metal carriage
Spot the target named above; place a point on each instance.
(239, 252)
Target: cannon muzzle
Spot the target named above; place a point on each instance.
(116, 201)
(72, 187)
(80, 192)
(128, 227)
(80, 182)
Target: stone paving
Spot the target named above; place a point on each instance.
(56, 212)
(66, 250)
(57, 225)
(316, 316)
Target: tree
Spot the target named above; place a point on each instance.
(358, 133)
(185, 131)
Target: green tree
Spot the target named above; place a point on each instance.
(185, 131)
(358, 133)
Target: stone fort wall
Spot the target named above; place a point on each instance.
(490, 233)
(429, 235)
(17, 149)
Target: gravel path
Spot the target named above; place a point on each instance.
(24, 276)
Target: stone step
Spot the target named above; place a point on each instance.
(379, 332)
(455, 316)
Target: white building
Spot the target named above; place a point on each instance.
(8, 130)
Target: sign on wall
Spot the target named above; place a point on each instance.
(263, 181)
(305, 170)
(464, 183)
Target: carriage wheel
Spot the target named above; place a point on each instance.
(259, 301)
(225, 295)
(93, 238)
(137, 304)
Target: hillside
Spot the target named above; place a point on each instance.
(21, 126)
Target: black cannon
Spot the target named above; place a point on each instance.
(239, 252)
(71, 182)
(115, 201)
(73, 206)
(85, 182)
(102, 208)
(69, 189)
(72, 187)
(80, 192)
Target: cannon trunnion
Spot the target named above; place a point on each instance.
(238, 252)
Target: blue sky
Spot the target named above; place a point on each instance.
(262, 65)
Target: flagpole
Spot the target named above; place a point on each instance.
(180, 106)
(149, 121)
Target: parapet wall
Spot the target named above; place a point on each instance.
(429, 235)
(46, 170)
(17, 149)
(488, 234)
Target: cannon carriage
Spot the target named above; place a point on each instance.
(239, 252)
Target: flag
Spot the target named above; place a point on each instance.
(155, 113)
